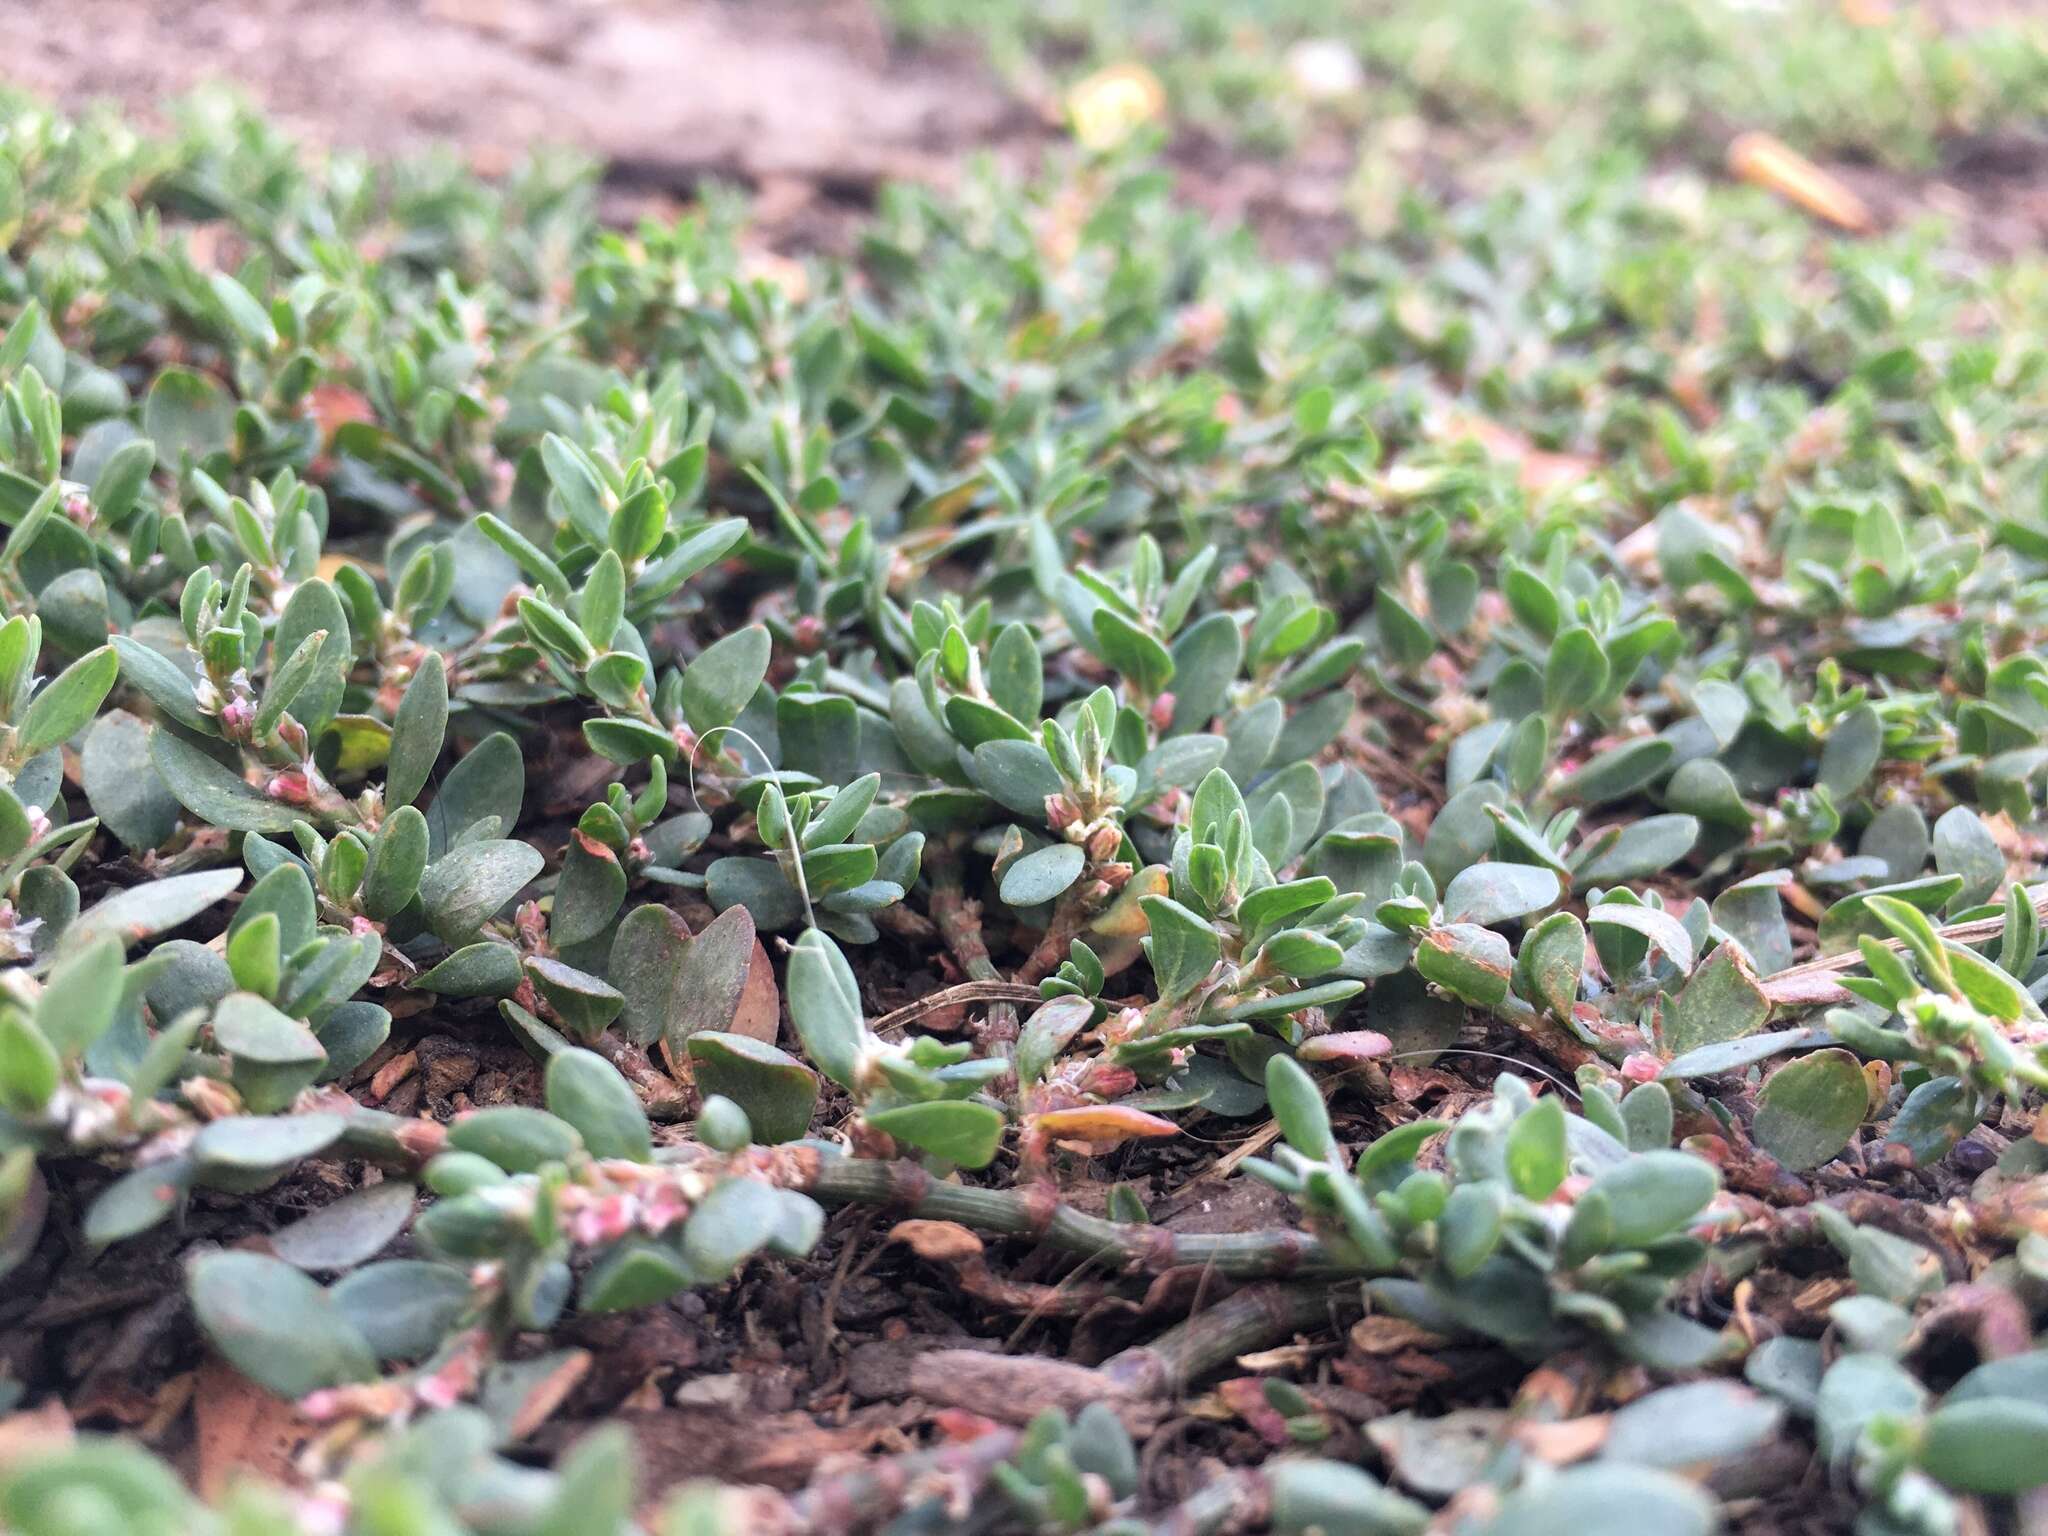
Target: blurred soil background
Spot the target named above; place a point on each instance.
(1308, 119)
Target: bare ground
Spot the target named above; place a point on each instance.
(801, 100)
(808, 103)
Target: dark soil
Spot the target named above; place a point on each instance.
(810, 106)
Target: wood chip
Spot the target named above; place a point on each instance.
(1768, 162)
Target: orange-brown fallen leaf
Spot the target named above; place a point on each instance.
(545, 1396)
(241, 1428)
(1566, 1442)
(942, 1242)
(1537, 470)
(950, 1244)
(1095, 1128)
(1767, 162)
(1385, 1334)
(391, 1074)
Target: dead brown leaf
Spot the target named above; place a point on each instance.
(941, 1242)
(1382, 1334)
(545, 1396)
(241, 1428)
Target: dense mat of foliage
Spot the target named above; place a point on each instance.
(1594, 632)
(1885, 80)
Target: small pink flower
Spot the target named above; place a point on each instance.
(1162, 711)
(662, 1209)
(604, 1220)
(438, 1392)
(236, 716)
(1060, 812)
(1642, 1067)
(324, 1513)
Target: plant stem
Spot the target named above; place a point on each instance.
(959, 923)
(1813, 983)
(1071, 911)
(1545, 1035)
(1252, 1319)
(1036, 1212)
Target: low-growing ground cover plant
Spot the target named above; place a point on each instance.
(1531, 738)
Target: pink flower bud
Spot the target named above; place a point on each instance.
(291, 786)
(1060, 812)
(1162, 711)
(324, 1513)
(1104, 842)
(1107, 1080)
(1642, 1067)
(532, 924)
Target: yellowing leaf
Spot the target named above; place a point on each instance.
(365, 743)
(1125, 918)
(1098, 1127)
(1111, 104)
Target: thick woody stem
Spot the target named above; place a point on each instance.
(663, 1097)
(1254, 1318)
(1545, 1035)
(959, 922)
(1072, 910)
